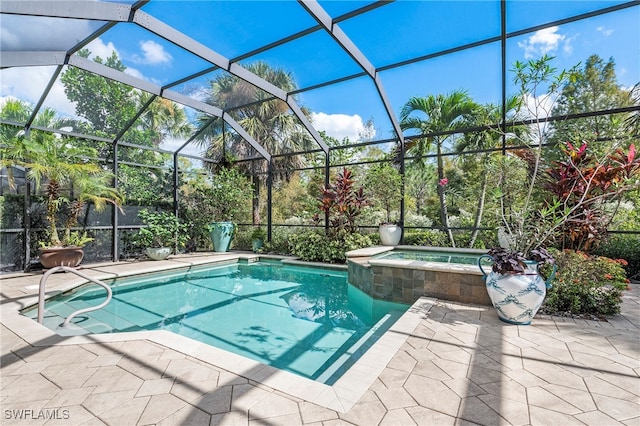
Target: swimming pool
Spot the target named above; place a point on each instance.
(308, 321)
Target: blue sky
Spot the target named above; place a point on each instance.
(387, 35)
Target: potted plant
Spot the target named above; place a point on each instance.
(71, 180)
(515, 285)
(258, 236)
(384, 183)
(162, 235)
(229, 197)
(565, 203)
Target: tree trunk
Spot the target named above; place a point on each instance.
(444, 214)
(480, 210)
(256, 200)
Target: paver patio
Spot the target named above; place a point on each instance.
(459, 365)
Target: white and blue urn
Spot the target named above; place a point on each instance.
(516, 297)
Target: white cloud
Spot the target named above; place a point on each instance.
(134, 73)
(13, 85)
(339, 126)
(542, 42)
(152, 54)
(605, 31)
(98, 48)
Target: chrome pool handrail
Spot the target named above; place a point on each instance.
(43, 282)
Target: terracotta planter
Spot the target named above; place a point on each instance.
(61, 256)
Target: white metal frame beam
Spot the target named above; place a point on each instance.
(116, 12)
(324, 19)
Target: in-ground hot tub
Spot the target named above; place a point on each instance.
(405, 273)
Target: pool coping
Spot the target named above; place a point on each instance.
(340, 396)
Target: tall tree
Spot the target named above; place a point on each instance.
(163, 119)
(489, 115)
(269, 121)
(592, 88)
(106, 104)
(430, 115)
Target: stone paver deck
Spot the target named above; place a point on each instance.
(445, 364)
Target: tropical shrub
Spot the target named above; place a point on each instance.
(314, 246)
(280, 237)
(585, 284)
(583, 188)
(384, 185)
(162, 229)
(223, 197)
(430, 237)
(242, 238)
(623, 246)
(342, 202)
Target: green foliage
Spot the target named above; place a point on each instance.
(314, 246)
(296, 197)
(430, 237)
(75, 238)
(242, 239)
(585, 284)
(70, 179)
(106, 104)
(592, 88)
(228, 196)
(258, 233)
(269, 121)
(279, 244)
(162, 229)
(443, 112)
(623, 246)
(383, 183)
(419, 184)
(224, 197)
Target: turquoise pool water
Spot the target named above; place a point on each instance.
(307, 321)
(431, 256)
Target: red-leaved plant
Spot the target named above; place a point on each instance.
(342, 202)
(584, 190)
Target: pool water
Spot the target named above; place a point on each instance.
(307, 321)
(428, 256)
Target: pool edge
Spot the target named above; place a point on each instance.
(340, 396)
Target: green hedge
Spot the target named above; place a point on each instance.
(585, 284)
(623, 246)
(314, 246)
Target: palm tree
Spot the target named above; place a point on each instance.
(13, 139)
(269, 121)
(58, 162)
(443, 113)
(163, 118)
(489, 115)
